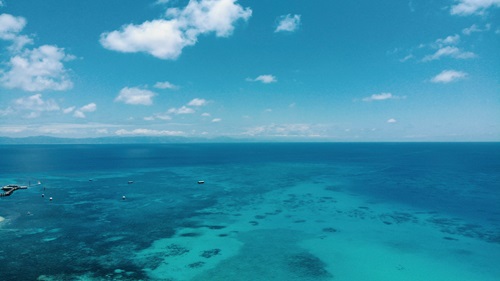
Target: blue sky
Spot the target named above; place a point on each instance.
(287, 70)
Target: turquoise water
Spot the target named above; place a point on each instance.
(349, 212)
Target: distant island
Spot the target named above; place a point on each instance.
(115, 140)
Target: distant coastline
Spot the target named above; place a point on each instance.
(47, 140)
(111, 140)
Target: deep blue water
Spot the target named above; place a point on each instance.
(76, 233)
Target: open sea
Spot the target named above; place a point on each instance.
(266, 211)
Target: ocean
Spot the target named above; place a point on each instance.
(265, 211)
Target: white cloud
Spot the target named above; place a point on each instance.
(206, 114)
(197, 102)
(148, 132)
(166, 38)
(448, 76)
(10, 27)
(449, 51)
(69, 109)
(408, 57)
(39, 69)
(158, 116)
(471, 7)
(450, 40)
(284, 130)
(392, 120)
(13, 129)
(135, 96)
(182, 110)
(165, 85)
(36, 103)
(7, 111)
(216, 120)
(469, 30)
(63, 129)
(381, 96)
(288, 23)
(266, 79)
(80, 113)
(161, 2)
(91, 107)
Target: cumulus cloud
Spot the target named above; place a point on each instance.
(163, 117)
(10, 27)
(216, 120)
(64, 129)
(288, 23)
(39, 69)
(472, 29)
(449, 51)
(36, 103)
(448, 76)
(166, 38)
(80, 113)
(7, 111)
(12, 129)
(473, 7)
(165, 85)
(392, 120)
(450, 40)
(182, 110)
(407, 57)
(266, 79)
(31, 70)
(69, 109)
(381, 96)
(148, 132)
(284, 130)
(91, 107)
(197, 102)
(135, 96)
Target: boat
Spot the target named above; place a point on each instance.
(201, 182)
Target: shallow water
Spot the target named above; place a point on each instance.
(266, 212)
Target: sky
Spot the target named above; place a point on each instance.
(388, 70)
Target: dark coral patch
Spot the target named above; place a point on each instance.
(210, 253)
(196, 264)
(329, 229)
(175, 250)
(190, 234)
(307, 265)
(216, 226)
